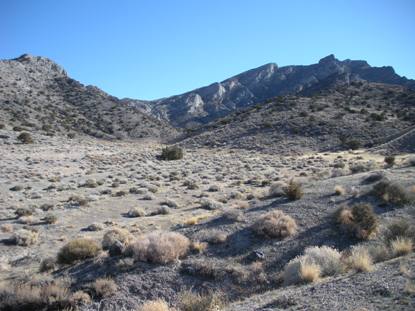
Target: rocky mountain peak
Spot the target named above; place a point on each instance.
(253, 86)
(328, 59)
(39, 63)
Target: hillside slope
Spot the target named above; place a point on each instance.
(37, 94)
(344, 116)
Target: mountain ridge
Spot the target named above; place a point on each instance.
(205, 104)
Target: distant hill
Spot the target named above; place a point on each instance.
(37, 94)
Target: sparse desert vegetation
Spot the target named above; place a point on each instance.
(280, 205)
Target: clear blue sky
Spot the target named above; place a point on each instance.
(149, 49)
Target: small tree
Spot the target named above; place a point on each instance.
(390, 160)
(171, 153)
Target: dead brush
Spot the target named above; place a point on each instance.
(33, 296)
(275, 224)
(104, 287)
(159, 247)
(359, 220)
(192, 301)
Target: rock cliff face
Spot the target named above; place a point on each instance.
(219, 99)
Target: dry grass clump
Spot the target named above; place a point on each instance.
(23, 211)
(300, 270)
(360, 260)
(359, 220)
(240, 204)
(339, 190)
(32, 297)
(191, 301)
(80, 298)
(276, 190)
(159, 247)
(194, 220)
(114, 236)
(198, 247)
(398, 229)
(275, 224)
(191, 184)
(50, 219)
(78, 249)
(378, 252)
(154, 305)
(104, 287)
(26, 220)
(215, 236)
(327, 258)
(78, 200)
(392, 192)
(24, 237)
(315, 263)
(293, 190)
(401, 246)
(361, 167)
(170, 203)
(6, 228)
(310, 272)
(47, 264)
(232, 214)
(210, 204)
(136, 212)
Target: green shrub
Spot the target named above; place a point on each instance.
(18, 128)
(293, 190)
(78, 249)
(47, 264)
(390, 160)
(352, 144)
(399, 228)
(25, 138)
(392, 192)
(171, 153)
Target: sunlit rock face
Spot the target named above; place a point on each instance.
(253, 86)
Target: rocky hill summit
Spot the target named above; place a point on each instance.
(37, 94)
(205, 104)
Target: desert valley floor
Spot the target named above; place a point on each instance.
(57, 190)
